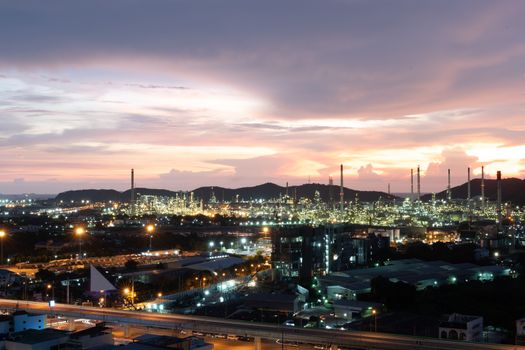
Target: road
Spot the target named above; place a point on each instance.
(209, 325)
(219, 344)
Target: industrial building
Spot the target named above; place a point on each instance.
(304, 252)
(421, 274)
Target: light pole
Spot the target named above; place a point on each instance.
(131, 293)
(374, 312)
(150, 229)
(2, 235)
(79, 232)
(52, 287)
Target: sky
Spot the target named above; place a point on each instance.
(238, 93)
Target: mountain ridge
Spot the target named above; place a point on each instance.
(263, 191)
(512, 190)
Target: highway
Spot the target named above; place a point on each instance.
(207, 325)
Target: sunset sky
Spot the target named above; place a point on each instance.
(235, 93)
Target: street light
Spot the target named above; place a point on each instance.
(131, 293)
(150, 229)
(2, 235)
(50, 286)
(374, 312)
(79, 232)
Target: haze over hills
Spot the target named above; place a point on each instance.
(264, 191)
(22, 196)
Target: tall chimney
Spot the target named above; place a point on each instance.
(483, 186)
(418, 183)
(468, 184)
(449, 194)
(341, 193)
(498, 208)
(132, 192)
(411, 184)
(331, 191)
(389, 189)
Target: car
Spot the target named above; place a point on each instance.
(245, 338)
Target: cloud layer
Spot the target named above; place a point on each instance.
(196, 93)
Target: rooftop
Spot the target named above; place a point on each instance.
(33, 336)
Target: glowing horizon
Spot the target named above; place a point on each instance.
(267, 92)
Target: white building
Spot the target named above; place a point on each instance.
(462, 327)
(23, 321)
(20, 321)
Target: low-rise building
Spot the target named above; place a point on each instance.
(520, 331)
(461, 327)
(90, 338)
(33, 339)
(20, 321)
(287, 303)
(7, 278)
(23, 320)
(350, 309)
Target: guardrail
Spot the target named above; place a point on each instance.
(204, 324)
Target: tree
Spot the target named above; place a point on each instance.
(131, 265)
(45, 275)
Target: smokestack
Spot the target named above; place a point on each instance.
(341, 193)
(132, 192)
(468, 183)
(449, 194)
(482, 186)
(418, 183)
(498, 208)
(412, 184)
(389, 189)
(331, 191)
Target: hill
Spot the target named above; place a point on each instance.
(264, 191)
(512, 190)
(90, 195)
(271, 190)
